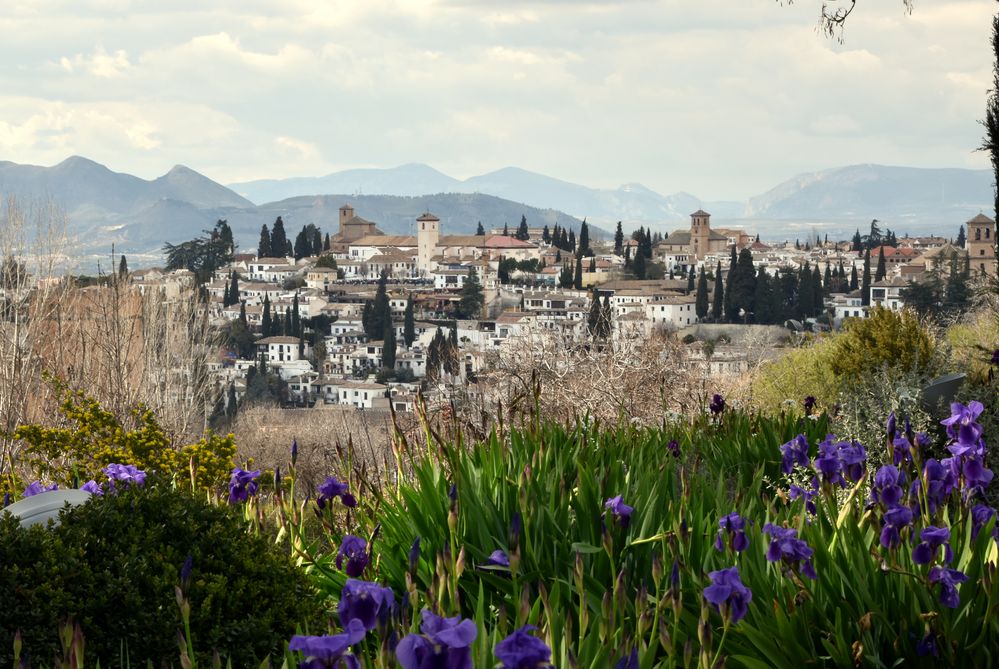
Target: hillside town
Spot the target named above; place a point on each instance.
(368, 320)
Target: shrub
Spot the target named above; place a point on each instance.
(113, 564)
(886, 338)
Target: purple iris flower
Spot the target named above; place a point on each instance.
(294, 451)
(127, 474)
(980, 516)
(961, 415)
(498, 558)
(827, 464)
(807, 494)
(37, 488)
(891, 426)
(717, 404)
(887, 488)
(809, 405)
(995, 357)
(728, 595)
(931, 539)
(853, 455)
(93, 487)
(795, 452)
(628, 661)
(673, 447)
(787, 548)
(894, 520)
(332, 488)
(940, 481)
(733, 525)
(355, 551)
(365, 601)
(7, 500)
(927, 646)
(329, 652)
(185, 572)
(242, 485)
(622, 512)
(522, 650)
(948, 580)
(901, 450)
(445, 643)
(976, 475)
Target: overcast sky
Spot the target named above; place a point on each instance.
(720, 98)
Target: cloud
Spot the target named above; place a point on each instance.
(100, 63)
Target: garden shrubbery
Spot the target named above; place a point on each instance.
(112, 566)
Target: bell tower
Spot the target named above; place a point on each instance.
(981, 244)
(427, 236)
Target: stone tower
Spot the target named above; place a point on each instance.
(700, 233)
(981, 244)
(427, 235)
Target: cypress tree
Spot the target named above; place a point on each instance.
(381, 310)
(638, 266)
(409, 323)
(522, 232)
(960, 237)
(865, 299)
(546, 235)
(858, 242)
(279, 240)
(264, 246)
(806, 296)
(718, 299)
(242, 312)
(226, 296)
(123, 268)
(287, 331)
(234, 290)
(743, 285)
(604, 325)
(479, 230)
(827, 280)
(326, 242)
(565, 278)
(577, 277)
(584, 238)
(618, 239)
(472, 297)
(690, 280)
(761, 297)
(627, 256)
(593, 318)
(731, 309)
(701, 303)
(854, 285)
(388, 346)
(366, 320)
(882, 270)
(506, 230)
(818, 296)
(571, 242)
(593, 265)
(266, 327)
(296, 318)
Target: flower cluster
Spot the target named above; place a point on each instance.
(126, 474)
(620, 511)
(728, 594)
(332, 651)
(840, 462)
(733, 527)
(445, 642)
(353, 551)
(36, 488)
(967, 447)
(788, 549)
(522, 650)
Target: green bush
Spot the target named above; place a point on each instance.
(112, 565)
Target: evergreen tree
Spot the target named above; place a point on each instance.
(546, 235)
(565, 278)
(317, 240)
(506, 230)
(522, 232)
(472, 297)
(264, 246)
(701, 302)
(882, 270)
(956, 292)
(409, 323)
(381, 310)
(593, 265)
(279, 240)
(479, 230)
(731, 309)
(242, 312)
(230, 402)
(571, 242)
(761, 297)
(584, 239)
(326, 242)
(266, 327)
(451, 359)
(296, 318)
(577, 277)
(122, 268)
(226, 296)
(743, 285)
(286, 327)
(388, 346)
(858, 242)
(806, 297)
(234, 290)
(627, 256)
(961, 239)
(564, 240)
(302, 244)
(865, 299)
(690, 280)
(366, 324)
(558, 256)
(718, 299)
(818, 296)
(854, 282)
(618, 239)
(638, 265)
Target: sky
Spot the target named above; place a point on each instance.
(720, 98)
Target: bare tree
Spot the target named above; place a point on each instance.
(835, 13)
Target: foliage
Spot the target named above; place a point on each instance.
(202, 255)
(113, 565)
(472, 297)
(895, 339)
(94, 438)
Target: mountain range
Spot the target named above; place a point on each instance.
(137, 215)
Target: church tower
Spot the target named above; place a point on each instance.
(427, 235)
(700, 233)
(981, 244)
